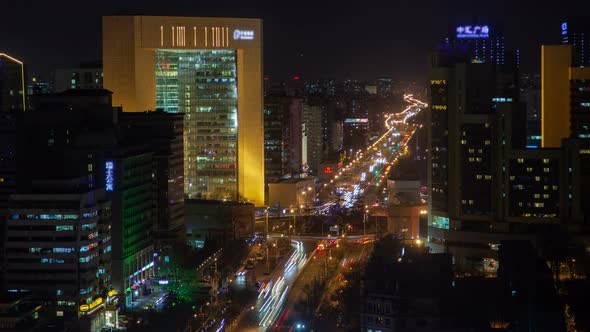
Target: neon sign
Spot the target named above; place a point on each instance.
(564, 28)
(243, 34)
(94, 304)
(109, 176)
(473, 31)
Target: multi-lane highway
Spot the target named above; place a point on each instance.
(366, 175)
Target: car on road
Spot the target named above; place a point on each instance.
(259, 256)
(250, 263)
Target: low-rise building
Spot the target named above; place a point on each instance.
(292, 193)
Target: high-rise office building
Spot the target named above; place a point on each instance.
(484, 42)
(12, 84)
(565, 96)
(575, 31)
(86, 76)
(210, 69)
(312, 136)
(58, 246)
(163, 132)
(530, 94)
(78, 133)
(282, 136)
(483, 184)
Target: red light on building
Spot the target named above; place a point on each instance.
(266, 78)
(328, 170)
(296, 78)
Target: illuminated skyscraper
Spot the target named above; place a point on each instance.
(210, 69)
(575, 31)
(484, 42)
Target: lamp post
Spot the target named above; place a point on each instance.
(266, 220)
(294, 222)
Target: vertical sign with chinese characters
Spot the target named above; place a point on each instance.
(109, 176)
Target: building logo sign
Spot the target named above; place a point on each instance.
(109, 176)
(473, 31)
(94, 304)
(564, 28)
(243, 34)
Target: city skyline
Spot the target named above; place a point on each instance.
(309, 41)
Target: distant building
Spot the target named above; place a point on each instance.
(292, 193)
(312, 136)
(530, 94)
(282, 136)
(575, 31)
(12, 84)
(86, 76)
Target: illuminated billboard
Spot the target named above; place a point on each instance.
(473, 31)
(359, 120)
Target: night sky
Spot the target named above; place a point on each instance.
(339, 39)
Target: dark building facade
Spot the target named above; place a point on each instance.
(283, 133)
(163, 132)
(78, 133)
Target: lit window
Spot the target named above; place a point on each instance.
(488, 177)
(537, 196)
(487, 142)
(520, 160)
(537, 178)
(539, 205)
(529, 169)
(554, 187)
(89, 167)
(511, 177)
(478, 176)
(545, 196)
(546, 169)
(463, 141)
(545, 161)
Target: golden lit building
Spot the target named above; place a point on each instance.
(555, 94)
(565, 97)
(210, 69)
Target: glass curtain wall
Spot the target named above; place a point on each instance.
(202, 84)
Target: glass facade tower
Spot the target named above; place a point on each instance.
(202, 84)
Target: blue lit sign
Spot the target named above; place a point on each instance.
(564, 28)
(109, 176)
(473, 31)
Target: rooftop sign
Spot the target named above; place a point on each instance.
(473, 31)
